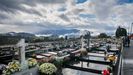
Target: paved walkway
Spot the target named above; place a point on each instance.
(128, 60)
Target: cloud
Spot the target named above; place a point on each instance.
(38, 15)
(64, 17)
(102, 8)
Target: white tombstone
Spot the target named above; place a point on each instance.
(82, 47)
(21, 44)
(82, 43)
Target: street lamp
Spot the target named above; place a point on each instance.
(131, 28)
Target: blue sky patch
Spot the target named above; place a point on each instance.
(87, 15)
(124, 1)
(80, 1)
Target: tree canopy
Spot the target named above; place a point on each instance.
(103, 35)
(120, 32)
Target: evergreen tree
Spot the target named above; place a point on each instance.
(103, 35)
(120, 32)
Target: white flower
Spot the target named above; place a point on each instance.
(48, 68)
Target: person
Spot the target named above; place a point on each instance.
(128, 41)
(105, 53)
(108, 48)
(87, 64)
(123, 39)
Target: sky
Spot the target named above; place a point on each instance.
(96, 16)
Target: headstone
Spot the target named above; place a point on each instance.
(82, 43)
(23, 62)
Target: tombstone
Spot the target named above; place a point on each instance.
(21, 44)
(82, 43)
(82, 47)
(87, 37)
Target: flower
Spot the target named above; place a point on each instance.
(47, 68)
(32, 62)
(12, 67)
(111, 58)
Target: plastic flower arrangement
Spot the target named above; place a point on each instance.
(111, 58)
(32, 62)
(106, 71)
(12, 67)
(47, 68)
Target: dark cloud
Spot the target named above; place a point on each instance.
(64, 17)
(10, 5)
(2, 16)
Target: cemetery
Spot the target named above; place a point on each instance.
(49, 59)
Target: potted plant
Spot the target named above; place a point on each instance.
(32, 62)
(47, 69)
(12, 67)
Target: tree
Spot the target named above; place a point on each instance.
(120, 32)
(103, 35)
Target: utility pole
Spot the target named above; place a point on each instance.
(128, 29)
(131, 28)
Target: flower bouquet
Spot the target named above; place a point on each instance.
(12, 67)
(32, 62)
(47, 69)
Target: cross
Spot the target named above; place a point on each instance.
(22, 45)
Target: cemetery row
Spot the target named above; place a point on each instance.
(58, 58)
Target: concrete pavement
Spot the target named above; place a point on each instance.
(128, 60)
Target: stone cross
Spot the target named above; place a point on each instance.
(21, 44)
(82, 43)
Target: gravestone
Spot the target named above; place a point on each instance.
(21, 44)
(82, 43)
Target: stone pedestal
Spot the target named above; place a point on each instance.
(31, 71)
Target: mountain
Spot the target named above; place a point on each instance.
(13, 37)
(20, 34)
(58, 31)
(23, 34)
